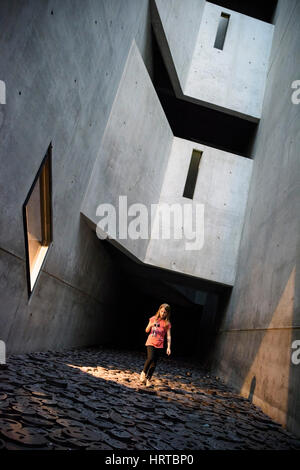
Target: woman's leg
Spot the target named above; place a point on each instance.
(150, 357)
(153, 363)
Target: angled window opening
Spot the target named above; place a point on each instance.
(37, 219)
(192, 175)
(221, 31)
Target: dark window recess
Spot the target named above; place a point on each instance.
(192, 174)
(221, 32)
(37, 219)
(198, 123)
(263, 11)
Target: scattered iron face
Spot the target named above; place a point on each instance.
(98, 402)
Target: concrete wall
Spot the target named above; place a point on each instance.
(61, 63)
(177, 25)
(139, 158)
(263, 317)
(134, 151)
(222, 187)
(233, 79)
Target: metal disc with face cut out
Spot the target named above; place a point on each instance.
(27, 436)
(102, 424)
(9, 424)
(36, 421)
(101, 415)
(145, 426)
(86, 390)
(186, 409)
(23, 409)
(116, 444)
(118, 418)
(57, 437)
(6, 388)
(71, 414)
(99, 446)
(57, 383)
(83, 433)
(41, 393)
(68, 422)
(66, 404)
(159, 444)
(120, 434)
(43, 414)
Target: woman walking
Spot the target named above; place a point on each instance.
(159, 325)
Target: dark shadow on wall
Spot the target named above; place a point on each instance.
(252, 389)
(263, 11)
(215, 314)
(252, 351)
(293, 420)
(143, 288)
(196, 307)
(199, 123)
(135, 308)
(99, 277)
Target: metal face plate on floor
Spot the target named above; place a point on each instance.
(93, 399)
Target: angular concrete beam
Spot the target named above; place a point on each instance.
(176, 25)
(139, 158)
(134, 150)
(231, 79)
(222, 187)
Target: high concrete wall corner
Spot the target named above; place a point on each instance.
(254, 348)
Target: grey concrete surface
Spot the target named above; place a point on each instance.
(222, 188)
(139, 158)
(134, 151)
(180, 22)
(263, 317)
(231, 80)
(61, 64)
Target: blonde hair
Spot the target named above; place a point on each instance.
(168, 310)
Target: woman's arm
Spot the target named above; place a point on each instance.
(149, 326)
(169, 341)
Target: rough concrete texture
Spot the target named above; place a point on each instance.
(180, 22)
(139, 158)
(231, 80)
(263, 317)
(61, 64)
(134, 151)
(93, 400)
(222, 187)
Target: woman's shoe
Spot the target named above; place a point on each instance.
(148, 383)
(143, 377)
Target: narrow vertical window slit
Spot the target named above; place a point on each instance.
(221, 32)
(191, 179)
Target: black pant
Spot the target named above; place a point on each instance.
(152, 356)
